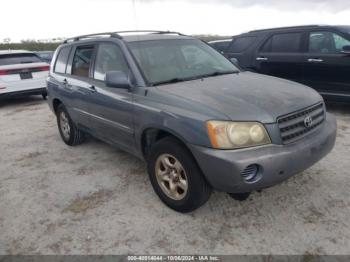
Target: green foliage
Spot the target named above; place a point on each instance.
(30, 45)
(208, 38)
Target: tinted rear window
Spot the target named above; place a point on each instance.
(283, 43)
(61, 62)
(345, 29)
(221, 46)
(12, 59)
(242, 43)
(45, 55)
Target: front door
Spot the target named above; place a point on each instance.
(281, 56)
(112, 108)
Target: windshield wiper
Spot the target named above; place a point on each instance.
(177, 79)
(219, 73)
(170, 81)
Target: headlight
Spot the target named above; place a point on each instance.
(231, 135)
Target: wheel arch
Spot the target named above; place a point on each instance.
(151, 135)
(55, 103)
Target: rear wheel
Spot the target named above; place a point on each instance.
(70, 134)
(175, 176)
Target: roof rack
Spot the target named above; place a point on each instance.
(287, 27)
(117, 34)
(149, 31)
(77, 38)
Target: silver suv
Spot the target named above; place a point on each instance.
(198, 121)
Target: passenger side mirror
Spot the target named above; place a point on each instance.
(346, 49)
(117, 79)
(234, 61)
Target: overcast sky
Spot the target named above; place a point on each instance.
(40, 19)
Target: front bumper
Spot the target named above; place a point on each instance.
(223, 168)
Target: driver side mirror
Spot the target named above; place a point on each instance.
(117, 79)
(234, 61)
(346, 49)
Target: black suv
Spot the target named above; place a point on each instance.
(318, 56)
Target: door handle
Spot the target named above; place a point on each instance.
(92, 88)
(315, 60)
(262, 59)
(66, 85)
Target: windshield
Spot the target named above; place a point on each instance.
(164, 61)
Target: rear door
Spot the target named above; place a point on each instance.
(326, 68)
(281, 55)
(112, 108)
(76, 84)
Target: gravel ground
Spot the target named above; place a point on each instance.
(95, 199)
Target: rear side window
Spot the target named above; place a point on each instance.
(283, 43)
(61, 61)
(13, 59)
(109, 58)
(242, 43)
(82, 61)
(326, 43)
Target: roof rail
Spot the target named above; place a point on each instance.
(77, 38)
(149, 31)
(117, 34)
(287, 27)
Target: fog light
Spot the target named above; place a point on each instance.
(251, 173)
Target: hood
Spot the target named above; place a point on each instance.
(246, 96)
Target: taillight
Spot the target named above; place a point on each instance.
(43, 68)
(24, 70)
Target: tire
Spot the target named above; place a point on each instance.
(183, 199)
(72, 137)
(44, 95)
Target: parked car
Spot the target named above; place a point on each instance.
(45, 56)
(317, 56)
(198, 122)
(22, 73)
(220, 45)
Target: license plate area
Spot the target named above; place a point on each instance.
(26, 75)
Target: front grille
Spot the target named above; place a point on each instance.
(293, 126)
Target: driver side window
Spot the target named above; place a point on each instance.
(109, 58)
(326, 43)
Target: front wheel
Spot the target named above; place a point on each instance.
(70, 134)
(175, 176)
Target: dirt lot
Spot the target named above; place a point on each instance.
(94, 199)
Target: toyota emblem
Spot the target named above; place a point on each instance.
(308, 122)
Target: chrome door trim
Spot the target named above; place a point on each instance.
(107, 121)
